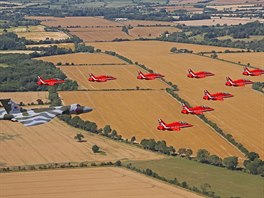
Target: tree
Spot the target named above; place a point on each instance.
(215, 160)
(173, 50)
(79, 137)
(107, 129)
(95, 148)
(188, 152)
(252, 156)
(202, 155)
(182, 151)
(230, 162)
(133, 139)
(118, 163)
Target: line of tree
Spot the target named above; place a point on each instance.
(119, 56)
(21, 73)
(259, 86)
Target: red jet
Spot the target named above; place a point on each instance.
(254, 72)
(100, 78)
(216, 96)
(174, 126)
(201, 74)
(150, 76)
(195, 110)
(49, 82)
(237, 83)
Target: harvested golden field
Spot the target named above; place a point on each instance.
(217, 20)
(150, 32)
(126, 77)
(61, 45)
(117, 182)
(75, 21)
(137, 46)
(240, 116)
(234, 7)
(100, 34)
(135, 113)
(54, 142)
(255, 59)
(228, 2)
(38, 28)
(16, 52)
(83, 58)
(135, 23)
(37, 36)
(25, 97)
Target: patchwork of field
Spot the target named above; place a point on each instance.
(126, 77)
(135, 113)
(255, 59)
(150, 32)
(37, 36)
(61, 45)
(83, 59)
(75, 21)
(135, 23)
(54, 143)
(117, 182)
(240, 116)
(25, 97)
(217, 20)
(100, 34)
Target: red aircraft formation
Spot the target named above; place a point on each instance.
(149, 76)
(49, 82)
(174, 126)
(195, 110)
(237, 83)
(104, 78)
(201, 74)
(216, 96)
(254, 72)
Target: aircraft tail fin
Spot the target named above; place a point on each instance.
(246, 70)
(41, 80)
(229, 80)
(141, 74)
(207, 93)
(191, 72)
(161, 122)
(10, 106)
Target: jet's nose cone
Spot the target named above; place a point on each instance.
(87, 109)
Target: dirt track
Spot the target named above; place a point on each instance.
(90, 182)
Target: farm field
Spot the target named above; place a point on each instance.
(234, 7)
(16, 51)
(100, 34)
(126, 77)
(83, 59)
(217, 20)
(227, 2)
(135, 23)
(135, 113)
(188, 8)
(25, 97)
(37, 36)
(224, 183)
(61, 45)
(75, 21)
(239, 116)
(255, 59)
(251, 38)
(118, 182)
(150, 32)
(54, 142)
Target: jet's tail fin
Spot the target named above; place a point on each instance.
(161, 122)
(92, 76)
(246, 70)
(229, 79)
(191, 72)
(141, 74)
(40, 80)
(10, 106)
(207, 93)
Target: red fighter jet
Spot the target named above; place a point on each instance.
(201, 74)
(150, 76)
(195, 110)
(254, 72)
(49, 82)
(174, 126)
(94, 78)
(216, 96)
(237, 83)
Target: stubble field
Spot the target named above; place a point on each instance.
(25, 97)
(239, 116)
(87, 182)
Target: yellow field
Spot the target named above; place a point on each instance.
(135, 113)
(227, 2)
(117, 183)
(37, 36)
(239, 116)
(38, 28)
(83, 58)
(126, 77)
(150, 32)
(75, 21)
(255, 59)
(16, 52)
(54, 142)
(135, 23)
(61, 45)
(100, 34)
(25, 97)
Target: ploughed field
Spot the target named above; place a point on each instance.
(135, 113)
(240, 116)
(54, 143)
(89, 182)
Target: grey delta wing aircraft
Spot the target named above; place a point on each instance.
(32, 117)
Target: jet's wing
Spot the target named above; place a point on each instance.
(34, 119)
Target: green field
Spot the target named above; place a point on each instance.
(251, 38)
(224, 183)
